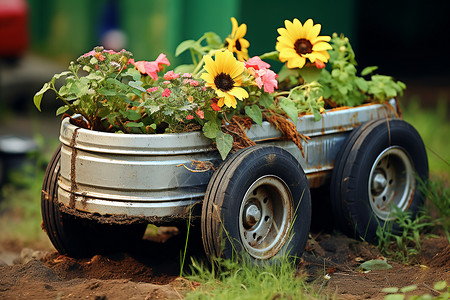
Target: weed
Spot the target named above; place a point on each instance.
(404, 243)
(229, 279)
(438, 196)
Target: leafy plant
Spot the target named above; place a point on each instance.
(404, 243)
(344, 87)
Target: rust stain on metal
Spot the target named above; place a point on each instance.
(122, 219)
(73, 176)
(319, 178)
(198, 166)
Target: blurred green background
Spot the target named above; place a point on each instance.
(406, 39)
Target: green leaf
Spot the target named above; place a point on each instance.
(440, 285)
(65, 73)
(254, 112)
(107, 92)
(224, 143)
(213, 39)
(310, 74)
(134, 124)
(317, 115)
(285, 72)
(408, 288)
(184, 69)
(361, 84)
(375, 264)
(62, 110)
(394, 297)
(368, 70)
(132, 115)
(266, 100)
(289, 108)
(274, 55)
(390, 290)
(134, 73)
(185, 45)
(210, 129)
(38, 97)
(137, 85)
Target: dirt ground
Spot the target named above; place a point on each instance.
(151, 270)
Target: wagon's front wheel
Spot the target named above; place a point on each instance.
(257, 206)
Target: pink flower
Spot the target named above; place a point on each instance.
(189, 117)
(187, 75)
(263, 75)
(256, 63)
(266, 78)
(186, 81)
(193, 82)
(200, 113)
(171, 75)
(152, 89)
(166, 82)
(151, 68)
(162, 60)
(166, 93)
(146, 67)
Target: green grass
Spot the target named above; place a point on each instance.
(20, 209)
(228, 279)
(433, 126)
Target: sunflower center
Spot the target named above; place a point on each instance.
(303, 46)
(224, 82)
(238, 45)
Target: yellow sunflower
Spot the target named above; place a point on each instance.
(224, 75)
(236, 42)
(297, 43)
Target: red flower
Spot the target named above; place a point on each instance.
(214, 105)
(189, 117)
(166, 93)
(319, 64)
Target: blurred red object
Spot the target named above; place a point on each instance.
(13, 28)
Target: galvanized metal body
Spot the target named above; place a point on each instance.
(162, 175)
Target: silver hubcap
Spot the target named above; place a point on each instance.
(391, 182)
(265, 216)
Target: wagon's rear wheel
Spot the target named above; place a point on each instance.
(258, 206)
(377, 170)
(74, 236)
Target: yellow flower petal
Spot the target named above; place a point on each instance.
(315, 30)
(321, 46)
(239, 93)
(312, 46)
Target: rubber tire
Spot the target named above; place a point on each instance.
(226, 191)
(80, 237)
(349, 182)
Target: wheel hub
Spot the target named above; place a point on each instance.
(379, 182)
(252, 215)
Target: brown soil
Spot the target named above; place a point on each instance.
(151, 271)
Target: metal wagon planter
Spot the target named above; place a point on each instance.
(101, 188)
